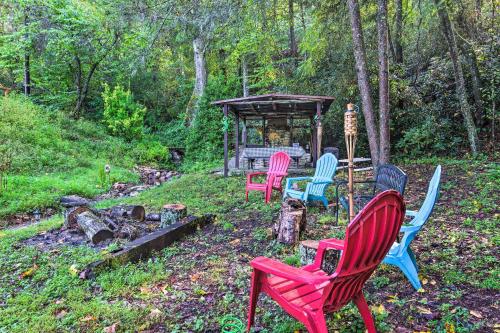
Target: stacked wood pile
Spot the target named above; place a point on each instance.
(152, 176)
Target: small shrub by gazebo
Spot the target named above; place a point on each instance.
(276, 110)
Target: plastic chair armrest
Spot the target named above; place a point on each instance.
(409, 228)
(298, 179)
(332, 243)
(280, 269)
(253, 174)
(411, 213)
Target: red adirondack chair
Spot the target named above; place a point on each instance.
(308, 293)
(278, 166)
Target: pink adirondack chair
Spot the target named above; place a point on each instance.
(308, 293)
(278, 166)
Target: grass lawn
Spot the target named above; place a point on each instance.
(44, 155)
(193, 284)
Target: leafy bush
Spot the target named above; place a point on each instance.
(150, 151)
(427, 139)
(122, 115)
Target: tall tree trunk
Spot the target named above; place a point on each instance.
(244, 74)
(83, 90)
(398, 32)
(470, 30)
(199, 48)
(27, 75)
(470, 55)
(291, 26)
(383, 83)
(363, 79)
(262, 7)
(459, 77)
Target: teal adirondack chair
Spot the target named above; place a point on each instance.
(400, 254)
(317, 185)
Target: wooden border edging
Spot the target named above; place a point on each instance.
(143, 247)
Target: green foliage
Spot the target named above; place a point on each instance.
(122, 115)
(205, 139)
(292, 260)
(427, 139)
(149, 150)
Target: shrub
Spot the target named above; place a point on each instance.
(429, 138)
(150, 151)
(122, 115)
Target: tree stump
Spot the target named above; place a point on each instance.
(133, 212)
(307, 251)
(95, 229)
(172, 213)
(291, 221)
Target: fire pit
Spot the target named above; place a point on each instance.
(136, 233)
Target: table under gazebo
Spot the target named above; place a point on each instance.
(282, 112)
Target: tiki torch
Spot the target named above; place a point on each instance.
(351, 133)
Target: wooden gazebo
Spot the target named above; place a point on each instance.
(272, 107)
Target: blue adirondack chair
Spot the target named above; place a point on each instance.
(317, 185)
(400, 254)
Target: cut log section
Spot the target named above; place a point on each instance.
(71, 213)
(307, 251)
(172, 213)
(153, 217)
(291, 221)
(137, 213)
(95, 229)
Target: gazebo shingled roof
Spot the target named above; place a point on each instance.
(277, 105)
(272, 106)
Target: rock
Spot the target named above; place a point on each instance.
(73, 201)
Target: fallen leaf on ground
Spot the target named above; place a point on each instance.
(111, 329)
(155, 314)
(379, 309)
(88, 318)
(195, 277)
(61, 314)
(476, 314)
(424, 310)
(73, 270)
(29, 272)
(234, 242)
(145, 290)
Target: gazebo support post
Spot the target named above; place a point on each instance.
(314, 137)
(263, 131)
(291, 131)
(225, 109)
(237, 140)
(319, 130)
(244, 134)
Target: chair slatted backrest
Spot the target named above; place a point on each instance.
(278, 164)
(390, 177)
(368, 238)
(425, 210)
(325, 170)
